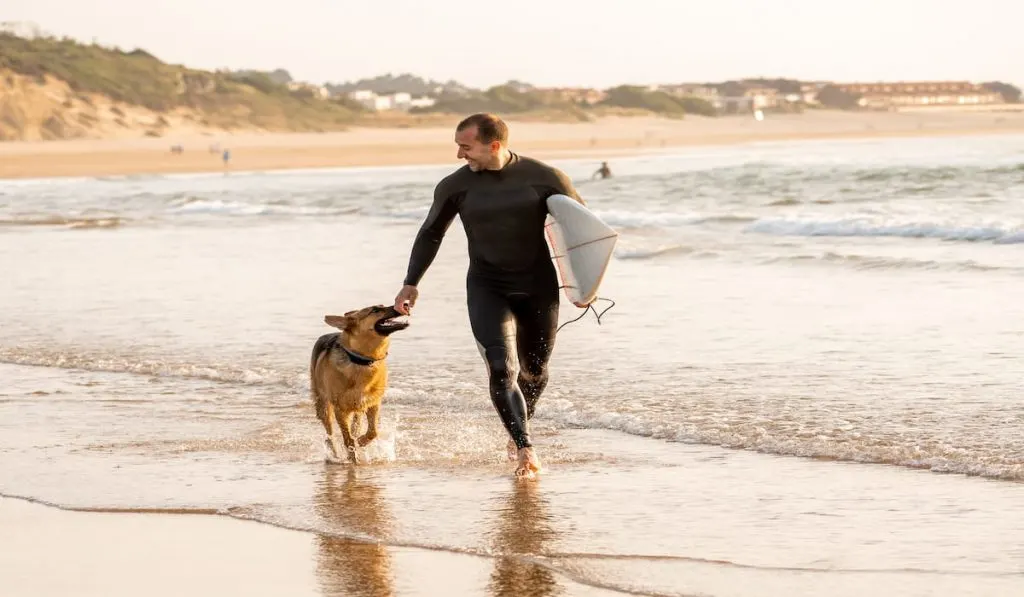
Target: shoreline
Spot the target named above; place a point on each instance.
(529, 537)
(368, 147)
(125, 552)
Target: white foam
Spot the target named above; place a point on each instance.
(869, 228)
(118, 364)
(743, 434)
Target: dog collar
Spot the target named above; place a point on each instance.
(359, 359)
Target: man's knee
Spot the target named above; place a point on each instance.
(501, 365)
(534, 363)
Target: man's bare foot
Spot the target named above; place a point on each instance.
(512, 450)
(529, 464)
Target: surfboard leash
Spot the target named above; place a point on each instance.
(590, 307)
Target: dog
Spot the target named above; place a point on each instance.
(348, 374)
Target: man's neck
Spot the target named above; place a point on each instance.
(502, 159)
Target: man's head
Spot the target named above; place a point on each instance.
(482, 139)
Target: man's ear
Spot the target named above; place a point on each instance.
(495, 146)
(342, 322)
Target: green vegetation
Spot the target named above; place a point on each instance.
(139, 78)
(268, 100)
(1010, 93)
(505, 99)
(831, 96)
(659, 102)
(271, 100)
(521, 99)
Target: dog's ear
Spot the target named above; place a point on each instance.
(342, 322)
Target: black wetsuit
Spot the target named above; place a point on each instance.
(511, 287)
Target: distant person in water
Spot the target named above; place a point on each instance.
(604, 171)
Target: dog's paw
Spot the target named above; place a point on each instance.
(331, 453)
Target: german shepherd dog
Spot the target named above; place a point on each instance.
(348, 373)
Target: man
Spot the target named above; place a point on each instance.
(604, 171)
(511, 286)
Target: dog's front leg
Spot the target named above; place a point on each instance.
(325, 412)
(345, 423)
(372, 418)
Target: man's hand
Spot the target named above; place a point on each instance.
(406, 299)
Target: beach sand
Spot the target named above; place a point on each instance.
(765, 526)
(114, 554)
(602, 139)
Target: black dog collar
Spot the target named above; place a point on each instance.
(359, 359)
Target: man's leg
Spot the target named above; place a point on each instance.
(490, 318)
(536, 319)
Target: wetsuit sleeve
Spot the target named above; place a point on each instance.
(432, 231)
(560, 184)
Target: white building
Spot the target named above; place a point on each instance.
(422, 102)
(393, 101)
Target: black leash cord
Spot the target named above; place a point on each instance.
(590, 307)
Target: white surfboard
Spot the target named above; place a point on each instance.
(581, 246)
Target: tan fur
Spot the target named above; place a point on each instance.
(342, 389)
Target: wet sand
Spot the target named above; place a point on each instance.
(114, 554)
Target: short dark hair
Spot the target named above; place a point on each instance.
(489, 127)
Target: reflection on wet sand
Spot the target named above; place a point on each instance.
(352, 502)
(522, 531)
(351, 505)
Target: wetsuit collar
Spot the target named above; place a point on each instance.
(359, 359)
(512, 158)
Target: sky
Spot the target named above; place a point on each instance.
(595, 43)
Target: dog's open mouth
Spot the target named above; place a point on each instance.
(389, 325)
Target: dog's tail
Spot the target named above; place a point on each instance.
(323, 344)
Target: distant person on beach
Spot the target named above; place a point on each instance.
(226, 156)
(512, 289)
(604, 171)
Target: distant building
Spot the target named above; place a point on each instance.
(391, 101)
(762, 97)
(422, 102)
(920, 93)
(317, 91)
(809, 92)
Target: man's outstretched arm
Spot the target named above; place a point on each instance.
(428, 239)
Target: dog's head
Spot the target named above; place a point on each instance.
(367, 329)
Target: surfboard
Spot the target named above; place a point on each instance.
(581, 246)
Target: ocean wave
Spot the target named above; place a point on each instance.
(866, 228)
(69, 222)
(628, 219)
(650, 253)
(741, 435)
(201, 206)
(859, 442)
(876, 262)
(117, 363)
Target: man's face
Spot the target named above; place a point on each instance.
(477, 155)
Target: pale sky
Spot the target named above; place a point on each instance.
(597, 43)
